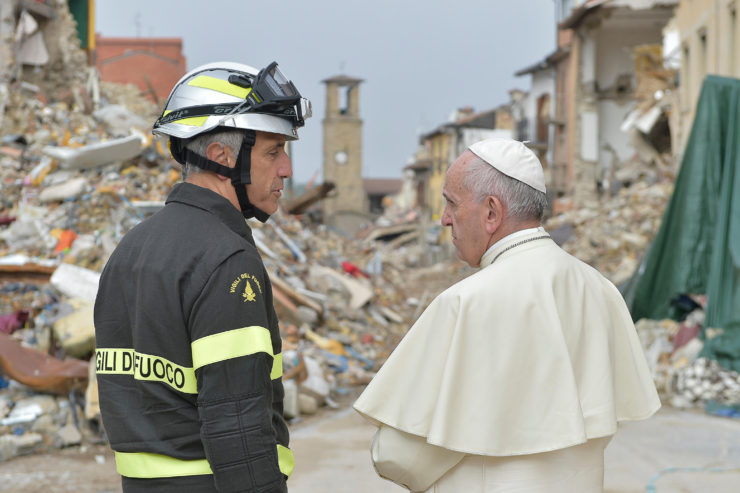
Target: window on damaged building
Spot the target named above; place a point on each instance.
(701, 62)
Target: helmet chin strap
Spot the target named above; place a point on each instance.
(241, 177)
(240, 174)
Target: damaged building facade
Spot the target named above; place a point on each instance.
(623, 84)
(596, 84)
(26, 29)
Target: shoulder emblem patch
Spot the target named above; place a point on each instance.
(247, 285)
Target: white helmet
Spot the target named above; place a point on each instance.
(227, 94)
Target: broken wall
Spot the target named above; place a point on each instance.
(67, 62)
(607, 96)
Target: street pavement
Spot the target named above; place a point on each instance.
(673, 452)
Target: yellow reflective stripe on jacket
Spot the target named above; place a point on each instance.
(124, 361)
(231, 344)
(220, 85)
(146, 465)
(285, 460)
(277, 367)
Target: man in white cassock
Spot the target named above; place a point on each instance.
(513, 379)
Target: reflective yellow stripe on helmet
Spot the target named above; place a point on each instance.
(285, 460)
(220, 85)
(146, 465)
(231, 344)
(195, 121)
(123, 361)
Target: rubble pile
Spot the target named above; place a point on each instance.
(613, 234)
(337, 298)
(339, 321)
(682, 377)
(339, 324)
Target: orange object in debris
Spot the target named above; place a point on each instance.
(40, 371)
(66, 238)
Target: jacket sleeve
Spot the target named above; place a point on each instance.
(234, 352)
(408, 460)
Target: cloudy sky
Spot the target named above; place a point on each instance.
(420, 59)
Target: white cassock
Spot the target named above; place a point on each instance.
(512, 380)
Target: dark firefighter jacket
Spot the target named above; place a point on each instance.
(188, 353)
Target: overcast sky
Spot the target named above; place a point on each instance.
(420, 59)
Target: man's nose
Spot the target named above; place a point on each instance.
(285, 170)
(446, 218)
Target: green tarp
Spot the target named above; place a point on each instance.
(697, 248)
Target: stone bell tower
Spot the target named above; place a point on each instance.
(343, 149)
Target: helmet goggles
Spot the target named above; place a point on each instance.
(270, 93)
(273, 93)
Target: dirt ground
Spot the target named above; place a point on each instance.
(673, 452)
(92, 469)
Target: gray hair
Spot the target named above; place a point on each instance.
(522, 202)
(199, 144)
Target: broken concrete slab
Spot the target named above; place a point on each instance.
(360, 291)
(67, 436)
(76, 332)
(119, 121)
(64, 191)
(95, 155)
(147, 207)
(14, 446)
(76, 282)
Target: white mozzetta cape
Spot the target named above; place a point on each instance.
(535, 352)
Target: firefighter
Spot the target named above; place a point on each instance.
(188, 356)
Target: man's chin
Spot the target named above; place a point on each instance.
(270, 208)
(266, 206)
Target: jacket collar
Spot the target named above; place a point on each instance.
(210, 201)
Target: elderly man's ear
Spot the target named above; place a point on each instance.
(222, 154)
(495, 213)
